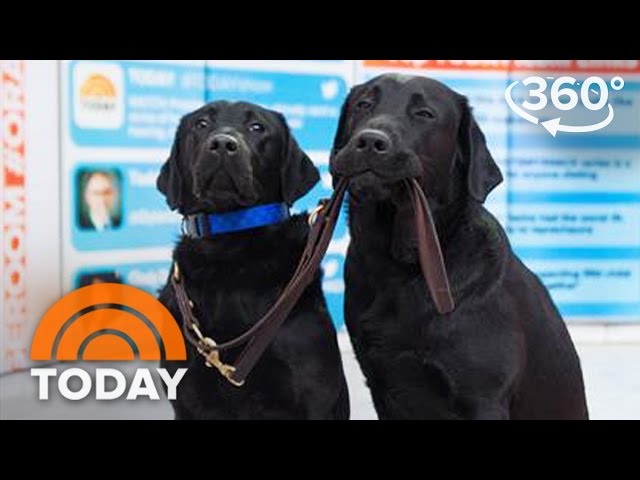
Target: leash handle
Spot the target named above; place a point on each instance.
(429, 251)
(261, 334)
(430, 256)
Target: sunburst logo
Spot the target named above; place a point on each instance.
(98, 90)
(98, 93)
(107, 321)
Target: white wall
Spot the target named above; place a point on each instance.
(38, 261)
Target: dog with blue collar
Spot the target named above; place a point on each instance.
(233, 173)
(211, 224)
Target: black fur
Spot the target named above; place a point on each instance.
(505, 352)
(233, 279)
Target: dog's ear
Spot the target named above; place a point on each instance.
(341, 139)
(298, 174)
(483, 174)
(170, 182)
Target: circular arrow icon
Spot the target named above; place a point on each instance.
(554, 125)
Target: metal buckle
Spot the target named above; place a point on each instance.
(189, 226)
(212, 356)
(176, 272)
(315, 212)
(212, 360)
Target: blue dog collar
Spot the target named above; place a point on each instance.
(211, 224)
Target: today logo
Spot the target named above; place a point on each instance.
(111, 322)
(98, 96)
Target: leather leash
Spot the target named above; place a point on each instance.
(429, 251)
(323, 221)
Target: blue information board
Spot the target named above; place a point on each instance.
(119, 121)
(574, 198)
(570, 203)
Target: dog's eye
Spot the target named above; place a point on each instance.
(256, 127)
(424, 113)
(364, 104)
(202, 123)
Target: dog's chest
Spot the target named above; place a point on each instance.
(393, 317)
(405, 298)
(227, 312)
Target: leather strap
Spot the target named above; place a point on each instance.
(323, 221)
(429, 251)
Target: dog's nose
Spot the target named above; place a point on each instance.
(372, 141)
(224, 143)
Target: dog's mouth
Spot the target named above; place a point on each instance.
(371, 185)
(222, 200)
(223, 191)
(373, 177)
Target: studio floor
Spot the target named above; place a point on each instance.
(610, 362)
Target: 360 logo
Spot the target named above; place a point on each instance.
(594, 95)
(108, 321)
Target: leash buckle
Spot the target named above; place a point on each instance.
(313, 216)
(176, 272)
(212, 360)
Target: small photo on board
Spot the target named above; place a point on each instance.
(99, 199)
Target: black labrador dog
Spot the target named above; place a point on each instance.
(504, 352)
(231, 157)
